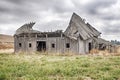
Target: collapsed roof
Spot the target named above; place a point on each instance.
(78, 28)
(102, 41)
(26, 28)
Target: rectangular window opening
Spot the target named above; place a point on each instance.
(30, 45)
(67, 45)
(53, 45)
(20, 45)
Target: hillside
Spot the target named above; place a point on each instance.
(6, 38)
(6, 41)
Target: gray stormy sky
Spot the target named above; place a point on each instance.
(49, 15)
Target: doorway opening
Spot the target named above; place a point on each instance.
(90, 47)
(41, 46)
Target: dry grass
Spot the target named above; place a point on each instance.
(6, 45)
(6, 50)
(106, 52)
(6, 38)
(56, 53)
(94, 51)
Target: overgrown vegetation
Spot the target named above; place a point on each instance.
(51, 67)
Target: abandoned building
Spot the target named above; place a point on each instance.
(79, 37)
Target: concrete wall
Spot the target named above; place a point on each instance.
(76, 46)
(83, 46)
(60, 44)
(24, 44)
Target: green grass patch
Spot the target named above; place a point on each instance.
(43, 67)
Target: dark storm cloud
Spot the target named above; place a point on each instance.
(110, 17)
(29, 7)
(112, 29)
(11, 12)
(33, 5)
(115, 30)
(22, 9)
(93, 6)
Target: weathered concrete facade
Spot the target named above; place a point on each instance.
(51, 44)
(79, 37)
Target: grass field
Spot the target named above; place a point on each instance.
(44, 67)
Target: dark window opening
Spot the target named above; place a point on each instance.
(41, 46)
(90, 46)
(30, 45)
(20, 45)
(67, 45)
(53, 45)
